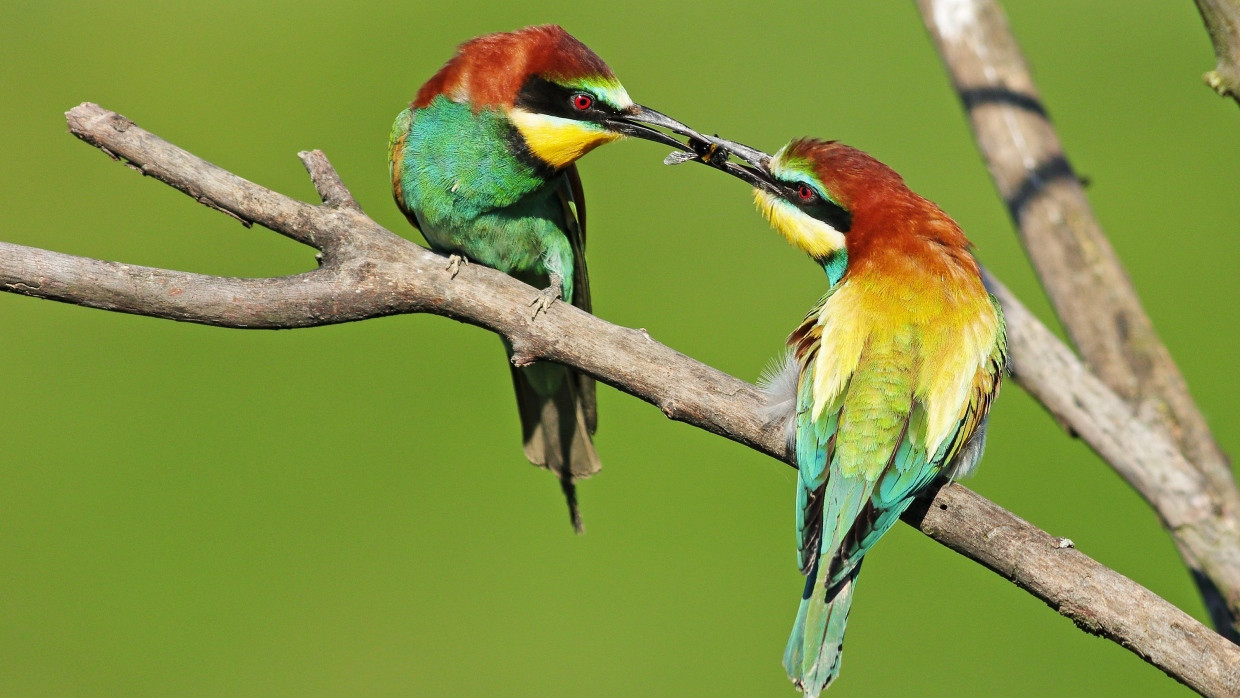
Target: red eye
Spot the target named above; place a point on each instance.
(805, 193)
(582, 102)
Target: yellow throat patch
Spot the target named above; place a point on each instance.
(556, 141)
(805, 232)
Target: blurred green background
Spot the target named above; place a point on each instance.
(194, 511)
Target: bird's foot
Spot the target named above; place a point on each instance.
(545, 298)
(455, 262)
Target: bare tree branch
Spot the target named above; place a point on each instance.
(1099, 600)
(326, 182)
(1222, 18)
(1087, 285)
(368, 271)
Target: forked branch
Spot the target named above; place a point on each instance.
(368, 271)
(1091, 292)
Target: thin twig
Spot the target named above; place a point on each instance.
(369, 272)
(1087, 284)
(326, 182)
(1222, 18)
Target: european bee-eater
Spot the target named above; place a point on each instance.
(482, 163)
(888, 381)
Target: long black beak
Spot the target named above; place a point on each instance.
(715, 151)
(632, 122)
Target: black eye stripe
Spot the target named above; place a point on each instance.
(819, 207)
(542, 96)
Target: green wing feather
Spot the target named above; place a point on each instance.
(573, 198)
(861, 464)
(502, 216)
(814, 439)
(395, 151)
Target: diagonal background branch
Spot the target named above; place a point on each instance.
(1089, 289)
(369, 272)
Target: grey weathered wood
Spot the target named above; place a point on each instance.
(368, 271)
(1222, 18)
(1087, 284)
(1098, 600)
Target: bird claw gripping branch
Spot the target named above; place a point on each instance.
(483, 164)
(546, 297)
(455, 262)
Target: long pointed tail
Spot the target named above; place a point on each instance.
(812, 658)
(557, 418)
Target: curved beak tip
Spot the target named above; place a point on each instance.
(713, 151)
(717, 152)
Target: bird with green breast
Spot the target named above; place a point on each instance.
(887, 383)
(482, 163)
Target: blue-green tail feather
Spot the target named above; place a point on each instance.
(812, 658)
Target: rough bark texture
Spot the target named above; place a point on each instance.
(368, 271)
(1222, 18)
(1098, 600)
(1087, 285)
